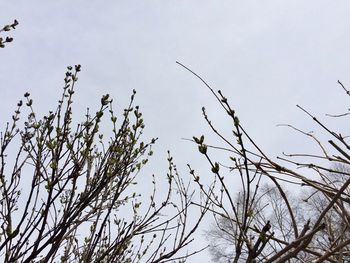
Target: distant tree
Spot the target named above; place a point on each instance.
(336, 234)
(68, 194)
(267, 207)
(260, 224)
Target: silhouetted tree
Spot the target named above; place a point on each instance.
(265, 225)
(68, 194)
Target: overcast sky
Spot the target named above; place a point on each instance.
(266, 56)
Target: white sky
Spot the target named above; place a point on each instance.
(266, 56)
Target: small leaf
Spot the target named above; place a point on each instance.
(236, 121)
(99, 114)
(262, 236)
(215, 168)
(202, 148)
(7, 28)
(29, 103)
(250, 213)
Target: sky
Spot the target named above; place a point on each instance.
(266, 57)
